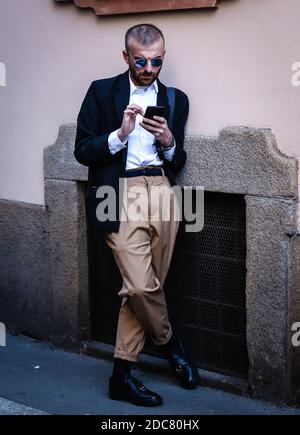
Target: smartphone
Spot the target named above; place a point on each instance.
(155, 111)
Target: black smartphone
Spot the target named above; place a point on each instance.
(155, 111)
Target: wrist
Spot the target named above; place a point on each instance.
(169, 144)
(123, 137)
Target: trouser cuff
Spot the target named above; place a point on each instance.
(123, 355)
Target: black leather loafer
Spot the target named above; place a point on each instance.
(132, 390)
(185, 371)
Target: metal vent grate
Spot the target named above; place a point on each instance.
(206, 286)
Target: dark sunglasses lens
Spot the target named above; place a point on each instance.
(156, 62)
(140, 63)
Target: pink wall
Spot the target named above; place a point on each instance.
(235, 64)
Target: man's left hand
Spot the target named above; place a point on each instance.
(158, 126)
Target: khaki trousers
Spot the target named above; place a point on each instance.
(143, 250)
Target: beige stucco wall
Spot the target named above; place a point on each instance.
(235, 64)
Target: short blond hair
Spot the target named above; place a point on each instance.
(145, 34)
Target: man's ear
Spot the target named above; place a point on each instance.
(126, 56)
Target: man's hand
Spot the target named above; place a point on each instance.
(128, 122)
(159, 128)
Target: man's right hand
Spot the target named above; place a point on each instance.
(128, 123)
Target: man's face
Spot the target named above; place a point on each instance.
(148, 74)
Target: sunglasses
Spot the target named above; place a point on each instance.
(141, 63)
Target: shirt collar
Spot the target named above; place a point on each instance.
(133, 87)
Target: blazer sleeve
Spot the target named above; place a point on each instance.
(180, 117)
(91, 145)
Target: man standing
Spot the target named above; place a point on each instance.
(115, 141)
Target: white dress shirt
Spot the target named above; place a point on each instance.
(141, 144)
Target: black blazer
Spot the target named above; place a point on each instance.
(100, 114)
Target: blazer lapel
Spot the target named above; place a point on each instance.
(122, 94)
(121, 100)
(162, 98)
